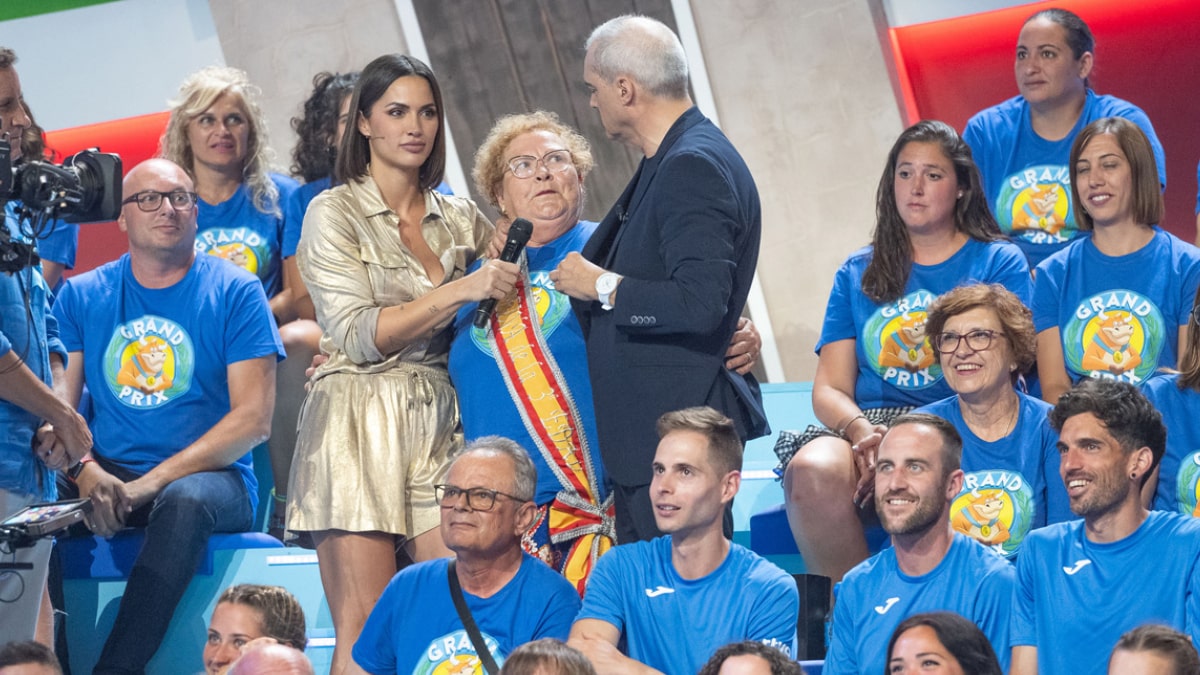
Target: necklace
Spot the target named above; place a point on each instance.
(978, 423)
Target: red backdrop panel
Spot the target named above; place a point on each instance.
(1146, 53)
(135, 139)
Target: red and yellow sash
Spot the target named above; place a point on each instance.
(540, 393)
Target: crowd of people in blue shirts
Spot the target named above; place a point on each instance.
(1005, 384)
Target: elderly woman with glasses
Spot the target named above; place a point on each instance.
(525, 376)
(984, 339)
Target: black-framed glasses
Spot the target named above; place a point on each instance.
(478, 499)
(977, 340)
(524, 166)
(150, 200)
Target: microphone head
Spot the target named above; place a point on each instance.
(520, 231)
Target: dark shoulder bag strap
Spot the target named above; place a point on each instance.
(468, 622)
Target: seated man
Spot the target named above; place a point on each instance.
(675, 599)
(1083, 583)
(178, 352)
(513, 598)
(929, 567)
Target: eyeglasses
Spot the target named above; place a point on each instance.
(1196, 315)
(150, 200)
(977, 340)
(478, 499)
(524, 166)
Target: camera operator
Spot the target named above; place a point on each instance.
(57, 245)
(32, 359)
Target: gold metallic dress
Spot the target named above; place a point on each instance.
(376, 429)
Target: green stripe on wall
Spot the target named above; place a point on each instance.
(18, 9)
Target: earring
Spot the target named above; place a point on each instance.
(960, 194)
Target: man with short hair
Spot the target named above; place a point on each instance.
(928, 567)
(32, 361)
(674, 600)
(178, 352)
(660, 285)
(1082, 583)
(513, 598)
(28, 658)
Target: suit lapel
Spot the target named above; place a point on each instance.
(639, 186)
(599, 246)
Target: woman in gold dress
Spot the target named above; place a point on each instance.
(384, 257)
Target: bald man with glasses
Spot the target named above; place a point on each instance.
(178, 352)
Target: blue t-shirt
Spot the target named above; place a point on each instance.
(238, 232)
(414, 627)
(482, 392)
(59, 243)
(1179, 471)
(896, 364)
(1012, 484)
(29, 329)
(1027, 178)
(1075, 598)
(155, 359)
(294, 209)
(1118, 317)
(876, 596)
(675, 624)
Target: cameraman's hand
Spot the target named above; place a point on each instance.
(50, 449)
(61, 443)
(107, 493)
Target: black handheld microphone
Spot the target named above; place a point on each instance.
(518, 236)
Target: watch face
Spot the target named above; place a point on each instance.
(606, 283)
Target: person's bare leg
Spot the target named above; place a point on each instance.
(301, 340)
(355, 568)
(818, 488)
(427, 546)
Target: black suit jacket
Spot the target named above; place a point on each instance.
(684, 235)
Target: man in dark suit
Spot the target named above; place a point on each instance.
(660, 286)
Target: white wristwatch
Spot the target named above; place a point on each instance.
(606, 284)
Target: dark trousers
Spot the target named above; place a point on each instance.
(178, 524)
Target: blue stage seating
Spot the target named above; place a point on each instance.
(95, 571)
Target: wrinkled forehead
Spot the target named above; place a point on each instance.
(483, 468)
